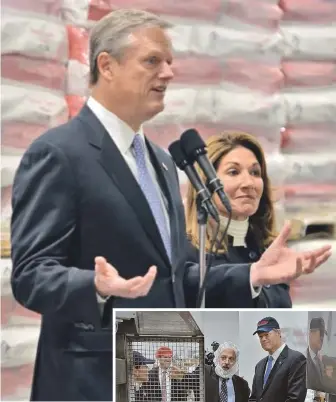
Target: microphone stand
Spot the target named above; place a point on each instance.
(202, 219)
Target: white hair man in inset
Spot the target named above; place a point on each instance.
(222, 384)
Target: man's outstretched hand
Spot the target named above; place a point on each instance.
(108, 282)
(280, 264)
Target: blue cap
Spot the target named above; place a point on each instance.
(266, 325)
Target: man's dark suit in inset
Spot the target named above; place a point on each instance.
(314, 373)
(286, 381)
(241, 388)
(153, 388)
(316, 376)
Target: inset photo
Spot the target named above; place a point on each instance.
(225, 356)
(159, 357)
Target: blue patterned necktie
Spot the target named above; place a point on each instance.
(223, 397)
(268, 368)
(150, 191)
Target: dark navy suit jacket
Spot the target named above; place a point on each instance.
(286, 381)
(75, 198)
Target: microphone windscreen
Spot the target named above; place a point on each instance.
(177, 154)
(191, 141)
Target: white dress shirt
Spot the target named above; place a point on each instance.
(122, 135)
(167, 374)
(230, 389)
(316, 359)
(276, 354)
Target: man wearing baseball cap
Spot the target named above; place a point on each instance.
(165, 381)
(140, 375)
(281, 376)
(317, 378)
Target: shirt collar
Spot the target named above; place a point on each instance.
(237, 229)
(312, 353)
(277, 353)
(121, 133)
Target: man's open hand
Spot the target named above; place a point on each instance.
(109, 283)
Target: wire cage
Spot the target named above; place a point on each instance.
(164, 359)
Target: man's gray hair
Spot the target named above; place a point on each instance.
(111, 34)
(223, 346)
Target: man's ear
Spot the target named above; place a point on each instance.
(106, 66)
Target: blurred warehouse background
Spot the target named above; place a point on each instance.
(267, 67)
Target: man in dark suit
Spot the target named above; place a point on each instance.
(139, 376)
(317, 376)
(98, 220)
(165, 382)
(281, 376)
(222, 384)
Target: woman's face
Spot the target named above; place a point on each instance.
(240, 173)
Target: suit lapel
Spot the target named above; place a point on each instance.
(165, 184)
(276, 367)
(215, 384)
(235, 387)
(118, 170)
(260, 374)
(317, 370)
(156, 382)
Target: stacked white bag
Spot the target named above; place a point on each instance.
(309, 65)
(33, 68)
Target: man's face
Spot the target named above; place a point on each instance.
(142, 75)
(141, 373)
(165, 362)
(227, 359)
(315, 340)
(329, 370)
(270, 341)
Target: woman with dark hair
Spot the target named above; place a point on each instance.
(240, 164)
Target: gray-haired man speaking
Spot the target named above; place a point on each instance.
(98, 220)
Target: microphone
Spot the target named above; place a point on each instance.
(195, 150)
(182, 163)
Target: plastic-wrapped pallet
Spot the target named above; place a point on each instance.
(33, 75)
(314, 11)
(77, 84)
(18, 350)
(28, 111)
(33, 68)
(19, 326)
(36, 56)
(243, 98)
(309, 95)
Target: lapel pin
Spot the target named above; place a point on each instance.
(164, 167)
